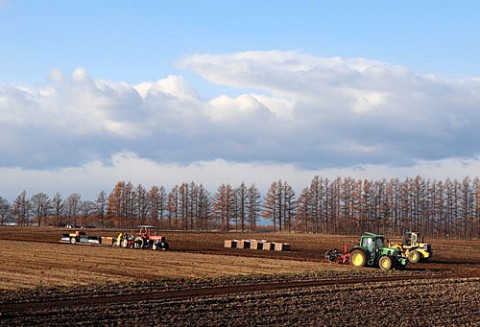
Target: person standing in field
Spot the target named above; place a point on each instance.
(119, 239)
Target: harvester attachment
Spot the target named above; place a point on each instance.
(335, 256)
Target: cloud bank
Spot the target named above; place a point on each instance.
(293, 110)
(91, 178)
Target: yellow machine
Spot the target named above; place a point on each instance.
(412, 249)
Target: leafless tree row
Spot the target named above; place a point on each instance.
(449, 208)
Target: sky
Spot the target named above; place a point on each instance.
(165, 92)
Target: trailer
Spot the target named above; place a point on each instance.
(80, 237)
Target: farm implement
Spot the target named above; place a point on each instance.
(413, 250)
(146, 238)
(335, 256)
(370, 252)
(80, 237)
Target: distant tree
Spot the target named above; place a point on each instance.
(158, 205)
(173, 207)
(142, 204)
(88, 211)
(289, 206)
(241, 198)
(4, 210)
(466, 209)
(279, 205)
(121, 205)
(21, 209)
(41, 205)
(270, 206)
(253, 206)
(185, 204)
(476, 209)
(57, 206)
(101, 208)
(303, 221)
(72, 207)
(224, 206)
(204, 207)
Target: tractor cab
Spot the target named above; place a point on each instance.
(371, 245)
(146, 230)
(410, 239)
(371, 242)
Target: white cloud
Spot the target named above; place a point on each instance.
(175, 86)
(299, 109)
(93, 177)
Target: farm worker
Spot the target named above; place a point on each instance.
(119, 239)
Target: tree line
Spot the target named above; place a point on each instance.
(449, 208)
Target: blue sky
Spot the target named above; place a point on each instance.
(135, 41)
(161, 92)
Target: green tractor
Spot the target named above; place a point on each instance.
(372, 252)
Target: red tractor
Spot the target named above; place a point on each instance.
(147, 238)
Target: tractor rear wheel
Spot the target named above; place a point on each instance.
(166, 246)
(385, 263)
(138, 242)
(414, 256)
(358, 258)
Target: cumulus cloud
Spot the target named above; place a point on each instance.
(306, 111)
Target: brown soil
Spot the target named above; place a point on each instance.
(199, 282)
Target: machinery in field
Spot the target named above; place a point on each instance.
(147, 238)
(334, 256)
(414, 250)
(370, 252)
(80, 237)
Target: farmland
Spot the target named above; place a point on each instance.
(199, 282)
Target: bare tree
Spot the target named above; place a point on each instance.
(101, 208)
(21, 209)
(57, 205)
(41, 205)
(4, 210)
(204, 207)
(253, 206)
(224, 206)
(142, 205)
(241, 195)
(270, 206)
(173, 207)
(88, 211)
(72, 207)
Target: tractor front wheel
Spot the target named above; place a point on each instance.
(385, 263)
(358, 258)
(414, 256)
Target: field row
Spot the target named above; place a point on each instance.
(428, 302)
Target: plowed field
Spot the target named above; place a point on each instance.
(199, 282)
